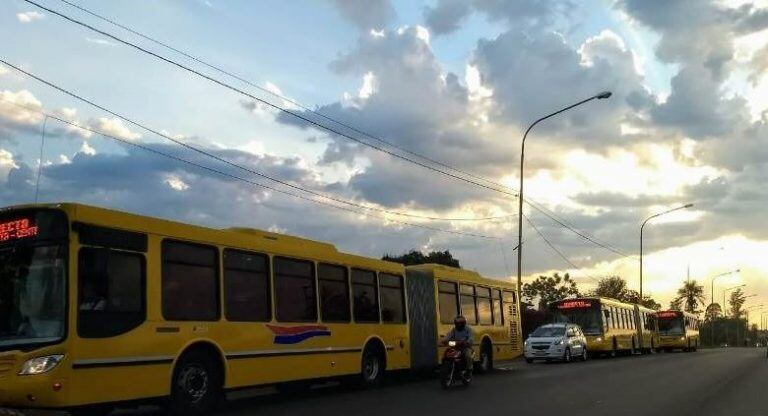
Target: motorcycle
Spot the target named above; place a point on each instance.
(453, 367)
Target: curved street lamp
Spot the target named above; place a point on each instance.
(641, 239)
(712, 302)
(601, 96)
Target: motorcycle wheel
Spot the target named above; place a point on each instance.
(446, 374)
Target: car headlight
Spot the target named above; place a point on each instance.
(40, 365)
(560, 342)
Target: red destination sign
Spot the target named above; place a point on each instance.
(17, 230)
(574, 304)
(668, 314)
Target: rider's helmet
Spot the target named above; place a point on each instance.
(460, 322)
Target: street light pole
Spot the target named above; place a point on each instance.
(641, 240)
(712, 302)
(601, 96)
(746, 315)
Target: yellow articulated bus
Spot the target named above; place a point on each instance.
(439, 293)
(611, 327)
(100, 308)
(678, 330)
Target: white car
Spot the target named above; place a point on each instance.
(551, 342)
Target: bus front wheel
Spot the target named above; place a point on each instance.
(197, 384)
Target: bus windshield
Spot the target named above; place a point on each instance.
(671, 326)
(32, 295)
(588, 318)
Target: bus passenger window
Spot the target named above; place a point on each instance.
(484, 313)
(189, 282)
(392, 298)
(295, 299)
(468, 308)
(366, 300)
(111, 292)
(246, 286)
(448, 301)
(498, 315)
(334, 293)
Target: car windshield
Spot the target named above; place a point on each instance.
(32, 295)
(671, 326)
(548, 332)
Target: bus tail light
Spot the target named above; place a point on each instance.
(40, 365)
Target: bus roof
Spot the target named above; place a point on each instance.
(440, 271)
(607, 301)
(235, 237)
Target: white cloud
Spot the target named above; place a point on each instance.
(176, 183)
(20, 107)
(29, 17)
(86, 149)
(64, 159)
(114, 127)
(99, 41)
(6, 164)
(369, 86)
(3, 70)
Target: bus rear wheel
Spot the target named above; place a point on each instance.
(197, 383)
(372, 366)
(486, 358)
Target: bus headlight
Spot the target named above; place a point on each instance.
(682, 338)
(599, 339)
(40, 365)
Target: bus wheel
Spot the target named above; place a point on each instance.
(372, 366)
(633, 351)
(197, 384)
(486, 358)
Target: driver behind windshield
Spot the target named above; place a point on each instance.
(461, 332)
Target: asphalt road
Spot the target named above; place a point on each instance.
(728, 382)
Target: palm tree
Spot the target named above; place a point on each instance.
(690, 296)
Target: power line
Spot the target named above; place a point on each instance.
(235, 177)
(265, 102)
(498, 187)
(220, 159)
(275, 94)
(555, 249)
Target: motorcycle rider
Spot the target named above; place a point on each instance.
(463, 333)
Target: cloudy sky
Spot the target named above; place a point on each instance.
(449, 81)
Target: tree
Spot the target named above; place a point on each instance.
(417, 257)
(611, 287)
(714, 310)
(690, 296)
(615, 287)
(549, 289)
(676, 304)
(737, 301)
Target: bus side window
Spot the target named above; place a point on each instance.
(190, 287)
(392, 298)
(365, 296)
(247, 295)
(468, 307)
(111, 292)
(448, 302)
(498, 311)
(295, 299)
(484, 313)
(334, 293)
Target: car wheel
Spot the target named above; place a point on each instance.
(567, 355)
(584, 354)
